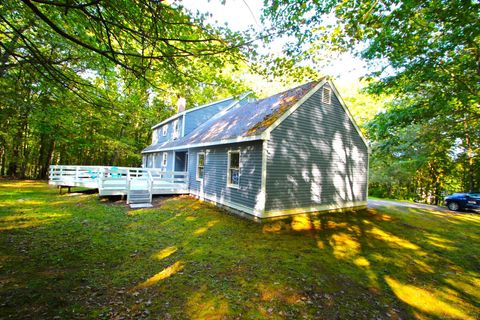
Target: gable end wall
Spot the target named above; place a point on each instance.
(316, 160)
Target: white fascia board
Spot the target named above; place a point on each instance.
(266, 133)
(344, 106)
(207, 144)
(189, 110)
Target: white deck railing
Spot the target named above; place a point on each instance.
(110, 180)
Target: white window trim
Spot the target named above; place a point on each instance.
(230, 185)
(155, 136)
(327, 95)
(165, 129)
(196, 168)
(175, 129)
(164, 159)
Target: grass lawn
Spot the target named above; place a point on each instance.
(73, 256)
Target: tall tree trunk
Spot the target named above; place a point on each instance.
(468, 142)
(2, 161)
(46, 158)
(15, 159)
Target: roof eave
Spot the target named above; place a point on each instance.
(210, 143)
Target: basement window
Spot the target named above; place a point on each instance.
(327, 96)
(200, 165)
(233, 170)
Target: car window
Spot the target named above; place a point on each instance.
(474, 195)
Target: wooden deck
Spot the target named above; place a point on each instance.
(137, 184)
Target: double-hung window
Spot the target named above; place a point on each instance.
(175, 129)
(200, 165)
(164, 159)
(164, 129)
(233, 170)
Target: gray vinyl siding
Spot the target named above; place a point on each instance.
(154, 160)
(215, 173)
(316, 157)
(195, 118)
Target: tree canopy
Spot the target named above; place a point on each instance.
(426, 55)
(83, 81)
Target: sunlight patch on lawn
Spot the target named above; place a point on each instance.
(22, 184)
(162, 254)
(202, 230)
(273, 227)
(201, 305)
(165, 273)
(279, 293)
(361, 262)
(469, 287)
(344, 246)
(304, 223)
(388, 237)
(22, 202)
(28, 220)
(440, 242)
(424, 300)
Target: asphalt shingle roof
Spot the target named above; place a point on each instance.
(245, 119)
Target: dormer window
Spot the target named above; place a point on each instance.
(155, 136)
(164, 130)
(327, 96)
(175, 129)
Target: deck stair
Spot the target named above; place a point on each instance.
(140, 189)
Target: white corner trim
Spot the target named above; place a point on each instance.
(266, 133)
(319, 208)
(345, 108)
(262, 197)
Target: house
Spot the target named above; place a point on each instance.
(295, 152)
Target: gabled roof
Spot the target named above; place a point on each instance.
(177, 115)
(242, 122)
(248, 121)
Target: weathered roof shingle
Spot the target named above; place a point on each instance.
(245, 119)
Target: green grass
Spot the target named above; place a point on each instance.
(390, 199)
(73, 256)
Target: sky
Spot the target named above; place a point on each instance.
(240, 14)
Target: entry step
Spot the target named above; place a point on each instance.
(140, 205)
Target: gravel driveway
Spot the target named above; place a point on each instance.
(384, 203)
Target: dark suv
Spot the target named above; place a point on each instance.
(463, 201)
